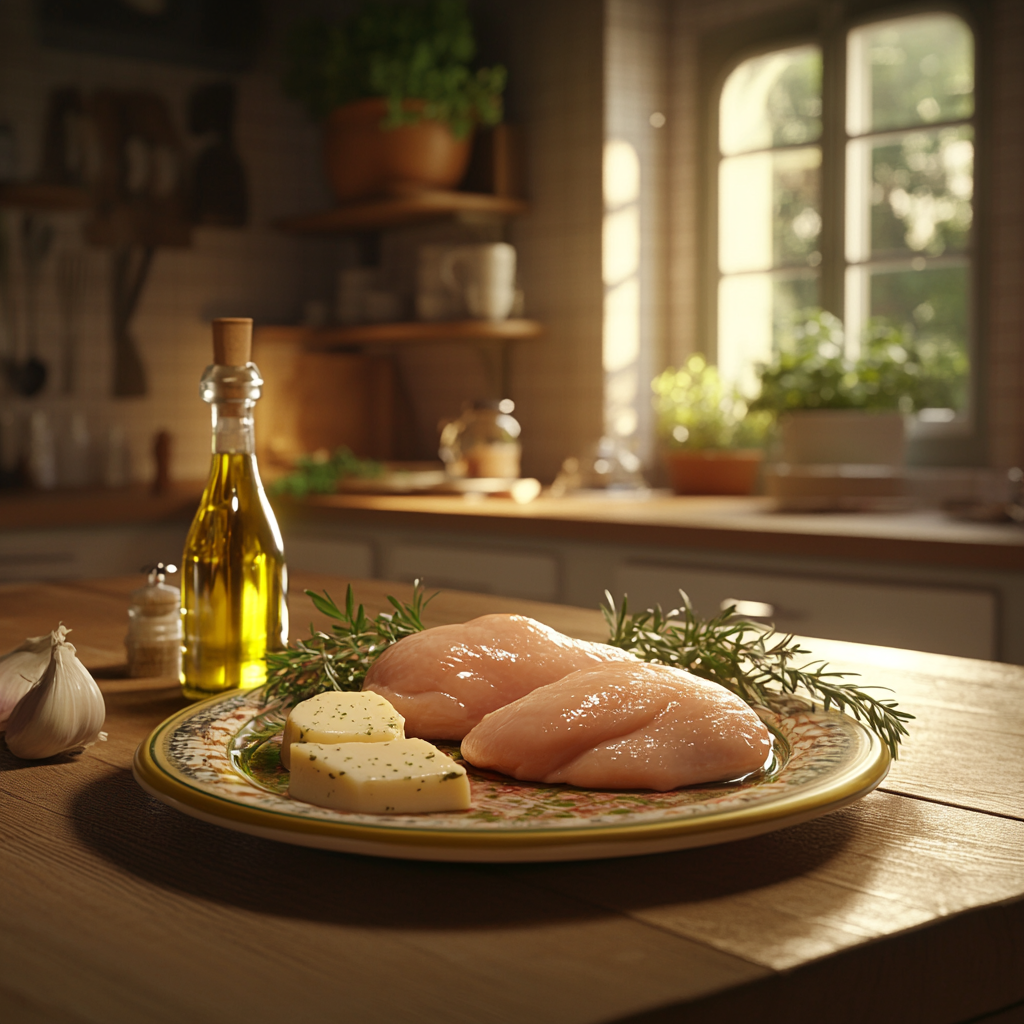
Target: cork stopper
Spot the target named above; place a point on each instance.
(232, 340)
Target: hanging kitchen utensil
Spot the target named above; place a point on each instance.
(8, 332)
(130, 268)
(70, 281)
(140, 206)
(65, 139)
(220, 194)
(28, 376)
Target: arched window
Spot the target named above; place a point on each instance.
(871, 217)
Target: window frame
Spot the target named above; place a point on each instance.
(965, 440)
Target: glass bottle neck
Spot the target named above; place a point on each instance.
(233, 428)
(232, 392)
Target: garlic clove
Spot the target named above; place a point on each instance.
(62, 712)
(20, 670)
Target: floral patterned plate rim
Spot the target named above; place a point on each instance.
(218, 761)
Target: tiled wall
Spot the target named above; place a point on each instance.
(554, 52)
(1006, 291)
(252, 272)
(555, 55)
(636, 62)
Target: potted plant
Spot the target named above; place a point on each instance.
(711, 440)
(395, 87)
(821, 395)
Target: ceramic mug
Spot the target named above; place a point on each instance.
(485, 275)
(434, 299)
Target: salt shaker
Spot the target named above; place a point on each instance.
(154, 627)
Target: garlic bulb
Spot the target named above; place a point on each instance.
(20, 669)
(64, 710)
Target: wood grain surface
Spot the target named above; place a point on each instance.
(908, 906)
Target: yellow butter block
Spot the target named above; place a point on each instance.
(361, 717)
(395, 777)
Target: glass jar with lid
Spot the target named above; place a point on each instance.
(483, 442)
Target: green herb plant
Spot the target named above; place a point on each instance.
(754, 663)
(696, 410)
(399, 51)
(895, 370)
(321, 472)
(340, 659)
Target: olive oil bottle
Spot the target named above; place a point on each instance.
(234, 579)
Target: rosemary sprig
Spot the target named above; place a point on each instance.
(750, 661)
(339, 660)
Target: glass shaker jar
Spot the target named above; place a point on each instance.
(154, 627)
(483, 442)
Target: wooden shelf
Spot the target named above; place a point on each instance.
(395, 211)
(36, 195)
(403, 333)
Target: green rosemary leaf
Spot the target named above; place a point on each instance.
(752, 662)
(325, 604)
(339, 660)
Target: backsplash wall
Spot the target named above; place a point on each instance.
(255, 271)
(555, 55)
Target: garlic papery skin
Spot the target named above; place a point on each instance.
(62, 712)
(20, 669)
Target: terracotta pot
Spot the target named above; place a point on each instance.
(714, 471)
(365, 160)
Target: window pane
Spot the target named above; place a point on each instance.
(932, 307)
(909, 71)
(768, 210)
(910, 193)
(774, 100)
(751, 308)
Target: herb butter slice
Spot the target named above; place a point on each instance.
(341, 718)
(396, 777)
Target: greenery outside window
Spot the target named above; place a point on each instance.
(844, 177)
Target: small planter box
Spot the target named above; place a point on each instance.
(843, 437)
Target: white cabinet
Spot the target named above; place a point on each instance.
(488, 570)
(944, 620)
(88, 551)
(335, 557)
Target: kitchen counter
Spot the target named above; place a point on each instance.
(907, 906)
(914, 579)
(63, 534)
(733, 524)
(40, 510)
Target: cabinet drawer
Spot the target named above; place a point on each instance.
(943, 620)
(89, 551)
(511, 574)
(336, 557)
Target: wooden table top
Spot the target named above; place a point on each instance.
(907, 906)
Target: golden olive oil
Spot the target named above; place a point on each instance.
(234, 580)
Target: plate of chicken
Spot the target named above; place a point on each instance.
(560, 749)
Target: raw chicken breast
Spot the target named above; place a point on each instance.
(623, 726)
(444, 680)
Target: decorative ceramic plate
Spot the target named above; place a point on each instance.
(220, 761)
